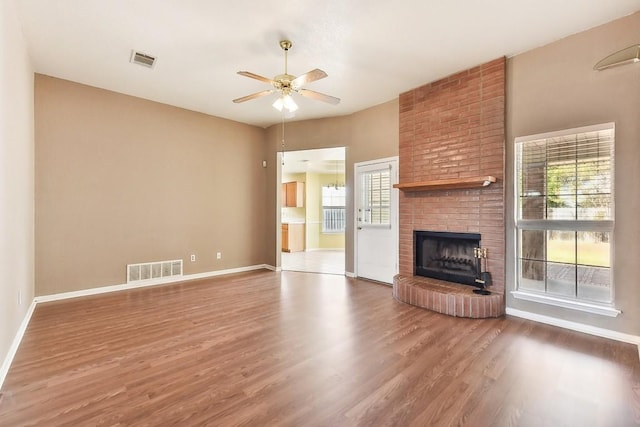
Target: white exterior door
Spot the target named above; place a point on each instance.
(376, 219)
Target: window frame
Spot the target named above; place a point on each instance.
(366, 205)
(343, 207)
(577, 225)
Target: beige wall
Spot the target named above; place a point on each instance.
(123, 180)
(16, 179)
(555, 87)
(367, 135)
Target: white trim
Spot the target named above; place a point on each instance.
(564, 303)
(563, 132)
(145, 283)
(350, 274)
(324, 249)
(223, 272)
(17, 339)
(578, 327)
(565, 224)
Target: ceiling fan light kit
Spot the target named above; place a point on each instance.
(285, 101)
(285, 84)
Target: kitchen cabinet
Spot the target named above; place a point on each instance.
(293, 194)
(292, 237)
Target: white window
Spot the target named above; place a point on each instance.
(375, 206)
(564, 215)
(333, 209)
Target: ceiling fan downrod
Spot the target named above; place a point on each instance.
(285, 45)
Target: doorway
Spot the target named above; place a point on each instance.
(376, 231)
(313, 214)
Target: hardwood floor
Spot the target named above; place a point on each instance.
(300, 349)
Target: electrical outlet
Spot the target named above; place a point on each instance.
(219, 255)
(193, 258)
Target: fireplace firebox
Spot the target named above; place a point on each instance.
(447, 256)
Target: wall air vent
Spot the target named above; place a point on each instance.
(153, 270)
(142, 59)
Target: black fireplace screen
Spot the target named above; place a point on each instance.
(446, 256)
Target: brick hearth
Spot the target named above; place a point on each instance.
(454, 128)
(447, 298)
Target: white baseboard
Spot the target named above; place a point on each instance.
(146, 283)
(573, 305)
(350, 274)
(579, 327)
(6, 364)
(223, 272)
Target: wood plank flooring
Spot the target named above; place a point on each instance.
(301, 349)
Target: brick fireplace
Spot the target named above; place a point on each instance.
(452, 131)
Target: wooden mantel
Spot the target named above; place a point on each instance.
(447, 184)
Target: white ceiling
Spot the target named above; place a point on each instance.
(372, 50)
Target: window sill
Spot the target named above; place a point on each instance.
(602, 310)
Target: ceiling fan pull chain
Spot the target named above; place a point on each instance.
(282, 138)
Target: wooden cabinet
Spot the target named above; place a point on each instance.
(292, 237)
(293, 194)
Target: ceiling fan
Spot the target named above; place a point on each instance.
(286, 84)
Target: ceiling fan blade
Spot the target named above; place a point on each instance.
(319, 96)
(309, 77)
(256, 76)
(254, 96)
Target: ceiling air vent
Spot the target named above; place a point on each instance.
(142, 59)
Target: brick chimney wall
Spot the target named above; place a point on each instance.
(454, 128)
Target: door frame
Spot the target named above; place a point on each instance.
(395, 203)
(278, 214)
